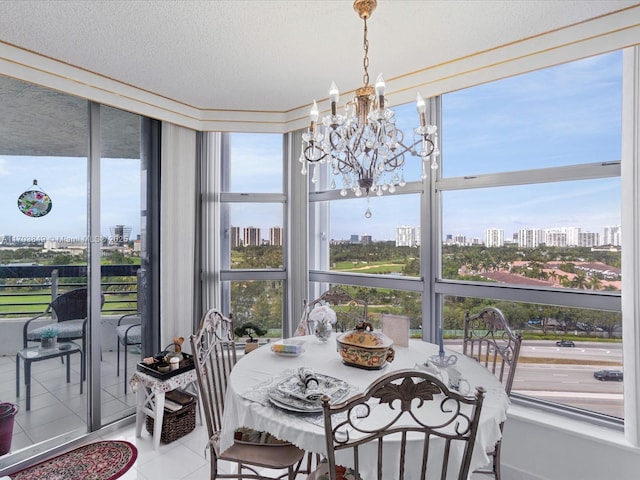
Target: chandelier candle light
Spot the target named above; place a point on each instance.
(363, 145)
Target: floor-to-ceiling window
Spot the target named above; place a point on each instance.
(253, 232)
(371, 244)
(45, 147)
(120, 220)
(528, 219)
(531, 223)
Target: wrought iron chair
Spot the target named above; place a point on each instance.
(349, 311)
(214, 351)
(432, 427)
(489, 339)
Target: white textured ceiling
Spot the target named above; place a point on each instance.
(271, 55)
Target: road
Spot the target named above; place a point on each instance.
(568, 383)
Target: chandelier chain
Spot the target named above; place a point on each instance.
(365, 60)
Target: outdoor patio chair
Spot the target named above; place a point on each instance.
(68, 312)
(400, 412)
(489, 340)
(128, 334)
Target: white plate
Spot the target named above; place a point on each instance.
(289, 395)
(286, 402)
(294, 408)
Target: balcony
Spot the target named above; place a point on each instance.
(58, 407)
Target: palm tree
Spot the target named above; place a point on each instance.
(595, 283)
(580, 280)
(564, 281)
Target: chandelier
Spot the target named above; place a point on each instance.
(363, 146)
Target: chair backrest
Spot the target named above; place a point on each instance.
(71, 305)
(433, 429)
(397, 328)
(489, 339)
(214, 354)
(349, 311)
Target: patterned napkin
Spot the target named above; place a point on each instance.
(260, 394)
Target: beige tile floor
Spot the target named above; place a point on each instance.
(58, 407)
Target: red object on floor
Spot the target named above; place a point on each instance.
(105, 460)
(8, 412)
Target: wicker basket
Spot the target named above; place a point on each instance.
(175, 424)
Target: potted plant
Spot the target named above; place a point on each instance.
(250, 329)
(49, 337)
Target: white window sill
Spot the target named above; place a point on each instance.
(571, 426)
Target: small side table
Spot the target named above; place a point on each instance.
(150, 395)
(36, 354)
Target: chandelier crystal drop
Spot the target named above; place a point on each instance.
(362, 145)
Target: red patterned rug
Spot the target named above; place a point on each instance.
(105, 460)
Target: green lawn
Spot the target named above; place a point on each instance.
(34, 304)
(381, 267)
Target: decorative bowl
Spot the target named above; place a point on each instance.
(164, 367)
(364, 348)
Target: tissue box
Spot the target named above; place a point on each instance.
(288, 347)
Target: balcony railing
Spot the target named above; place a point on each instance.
(26, 290)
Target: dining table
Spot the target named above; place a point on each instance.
(249, 403)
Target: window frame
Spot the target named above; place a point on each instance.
(597, 300)
(228, 275)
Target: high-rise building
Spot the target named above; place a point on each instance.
(275, 236)
(572, 234)
(236, 241)
(251, 236)
(119, 235)
(494, 237)
(555, 238)
(459, 239)
(612, 236)
(589, 239)
(530, 237)
(365, 239)
(407, 236)
(354, 239)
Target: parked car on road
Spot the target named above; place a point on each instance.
(565, 343)
(611, 375)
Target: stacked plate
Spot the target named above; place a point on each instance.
(292, 395)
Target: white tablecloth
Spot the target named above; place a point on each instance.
(258, 368)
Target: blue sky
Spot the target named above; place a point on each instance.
(564, 115)
(65, 180)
